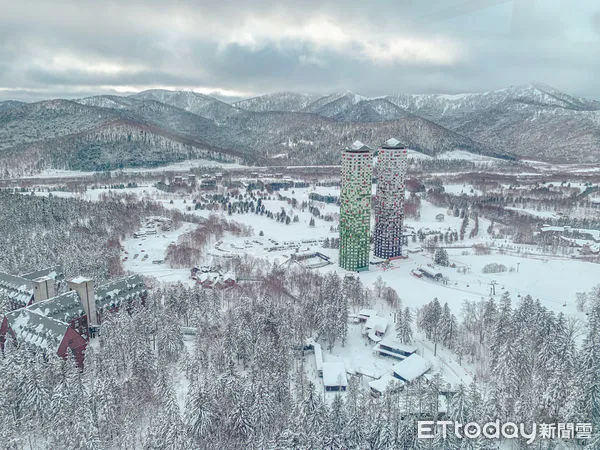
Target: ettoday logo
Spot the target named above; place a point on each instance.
(427, 429)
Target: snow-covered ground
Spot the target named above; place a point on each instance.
(459, 189)
(534, 213)
(178, 166)
(142, 252)
(467, 156)
(554, 280)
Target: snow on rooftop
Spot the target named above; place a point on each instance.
(64, 307)
(411, 368)
(318, 356)
(392, 343)
(80, 279)
(367, 312)
(393, 143)
(334, 374)
(382, 384)
(373, 336)
(37, 330)
(376, 323)
(359, 146)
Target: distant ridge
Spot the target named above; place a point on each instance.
(160, 126)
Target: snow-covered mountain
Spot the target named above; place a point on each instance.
(160, 126)
(200, 104)
(280, 101)
(531, 121)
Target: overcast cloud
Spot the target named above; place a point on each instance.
(243, 48)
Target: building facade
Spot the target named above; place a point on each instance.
(65, 322)
(389, 200)
(355, 207)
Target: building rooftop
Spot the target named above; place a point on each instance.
(334, 374)
(411, 368)
(37, 330)
(358, 147)
(377, 323)
(17, 289)
(64, 307)
(392, 144)
(387, 381)
(393, 343)
(114, 293)
(53, 272)
(80, 279)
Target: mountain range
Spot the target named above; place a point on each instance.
(158, 126)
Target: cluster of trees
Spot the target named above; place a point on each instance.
(241, 383)
(434, 238)
(331, 243)
(83, 236)
(412, 206)
(494, 268)
(532, 365)
(441, 258)
(438, 323)
(190, 246)
(404, 324)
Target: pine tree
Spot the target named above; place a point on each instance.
(200, 416)
(441, 257)
(589, 369)
(404, 331)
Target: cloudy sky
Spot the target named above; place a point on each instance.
(67, 48)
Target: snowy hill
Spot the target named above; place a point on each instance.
(200, 104)
(280, 101)
(532, 121)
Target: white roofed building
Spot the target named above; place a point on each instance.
(384, 384)
(393, 348)
(334, 376)
(411, 368)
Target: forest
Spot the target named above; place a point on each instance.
(198, 368)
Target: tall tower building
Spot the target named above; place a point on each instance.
(389, 199)
(355, 207)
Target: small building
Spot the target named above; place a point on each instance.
(334, 376)
(375, 327)
(386, 383)
(437, 276)
(394, 349)
(440, 217)
(411, 368)
(364, 314)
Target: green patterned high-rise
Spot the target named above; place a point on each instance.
(355, 207)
